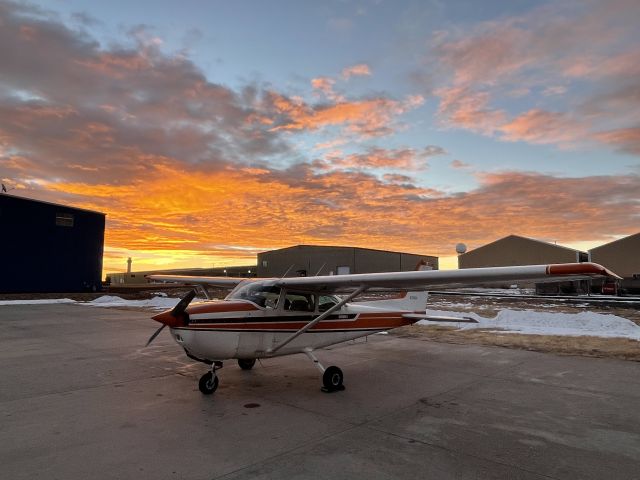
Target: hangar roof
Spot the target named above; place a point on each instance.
(617, 243)
(344, 246)
(527, 239)
(61, 205)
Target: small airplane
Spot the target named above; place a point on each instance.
(268, 317)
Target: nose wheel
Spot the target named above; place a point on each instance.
(209, 381)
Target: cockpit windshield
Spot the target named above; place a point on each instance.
(265, 296)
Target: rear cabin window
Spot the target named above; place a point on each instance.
(299, 302)
(326, 302)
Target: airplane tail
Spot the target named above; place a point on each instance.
(411, 301)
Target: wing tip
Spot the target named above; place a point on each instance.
(585, 268)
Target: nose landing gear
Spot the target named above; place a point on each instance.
(209, 381)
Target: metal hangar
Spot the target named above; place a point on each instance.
(48, 247)
(309, 260)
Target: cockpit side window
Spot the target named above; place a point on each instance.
(262, 295)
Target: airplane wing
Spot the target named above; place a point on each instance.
(221, 282)
(432, 279)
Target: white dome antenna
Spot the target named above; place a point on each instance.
(461, 248)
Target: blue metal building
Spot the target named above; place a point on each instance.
(46, 247)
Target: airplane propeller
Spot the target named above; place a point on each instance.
(177, 312)
(156, 333)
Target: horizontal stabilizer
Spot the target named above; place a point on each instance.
(438, 318)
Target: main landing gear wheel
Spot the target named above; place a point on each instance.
(208, 383)
(332, 379)
(246, 363)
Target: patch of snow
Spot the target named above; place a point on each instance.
(44, 301)
(502, 291)
(547, 323)
(456, 304)
(155, 303)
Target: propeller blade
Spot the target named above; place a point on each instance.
(153, 337)
(183, 304)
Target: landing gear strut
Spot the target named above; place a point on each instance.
(209, 381)
(332, 377)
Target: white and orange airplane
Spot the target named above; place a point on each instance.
(262, 318)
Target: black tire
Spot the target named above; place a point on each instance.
(246, 363)
(208, 383)
(332, 378)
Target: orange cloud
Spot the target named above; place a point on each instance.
(626, 139)
(540, 126)
(461, 107)
(325, 86)
(117, 65)
(369, 118)
(404, 159)
(359, 70)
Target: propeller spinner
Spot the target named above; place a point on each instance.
(176, 317)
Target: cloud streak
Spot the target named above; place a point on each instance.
(381, 158)
(580, 90)
(359, 70)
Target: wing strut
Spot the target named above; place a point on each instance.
(319, 318)
(205, 291)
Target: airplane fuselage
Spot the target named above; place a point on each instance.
(240, 329)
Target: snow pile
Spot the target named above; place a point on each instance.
(155, 303)
(547, 323)
(44, 301)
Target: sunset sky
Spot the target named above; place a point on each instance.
(208, 131)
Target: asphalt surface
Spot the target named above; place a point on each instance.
(80, 399)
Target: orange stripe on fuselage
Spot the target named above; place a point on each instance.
(381, 321)
(221, 307)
